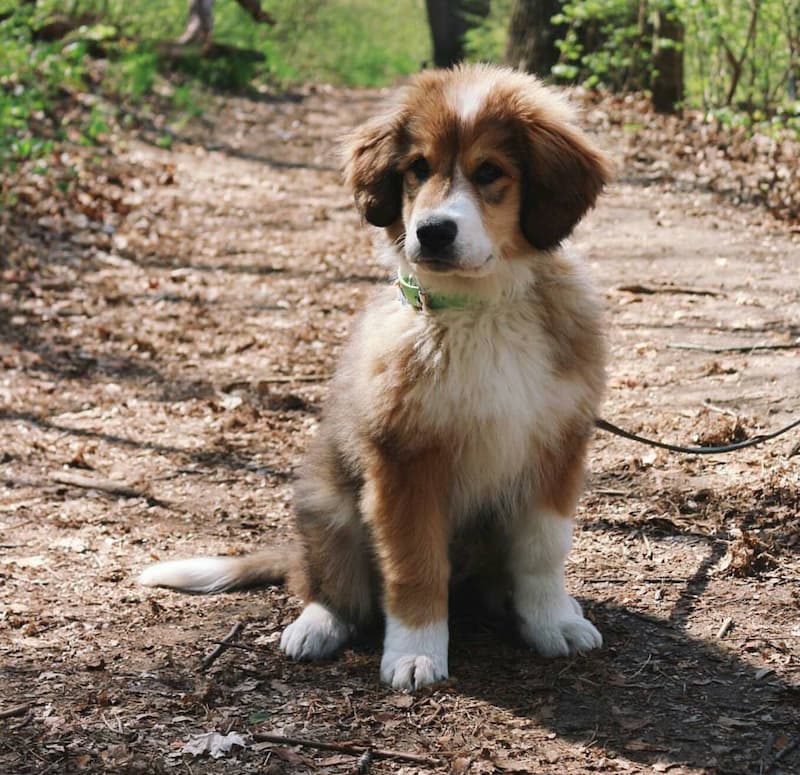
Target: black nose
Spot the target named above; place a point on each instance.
(436, 236)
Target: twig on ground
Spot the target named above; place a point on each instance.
(725, 628)
(57, 763)
(222, 646)
(633, 580)
(96, 483)
(244, 647)
(766, 748)
(354, 750)
(16, 710)
(25, 721)
(721, 410)
(118, 729)
(744, 348)
(647, 547)
(648, 290)
(278, 378)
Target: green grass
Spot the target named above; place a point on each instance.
(358, 43)
(343, 42)
(347, 42)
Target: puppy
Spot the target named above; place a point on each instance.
(454, 438)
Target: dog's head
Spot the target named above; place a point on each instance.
(474, 166)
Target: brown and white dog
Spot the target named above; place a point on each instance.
(454, 438)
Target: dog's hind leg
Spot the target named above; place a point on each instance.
(337, 578)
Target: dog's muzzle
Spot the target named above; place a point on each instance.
(437, 238)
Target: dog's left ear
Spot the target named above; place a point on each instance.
(563, 174)
(370, 169)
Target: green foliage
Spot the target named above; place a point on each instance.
(351, 42)
(486, 41)
(610, 43)
(736, 54)
(115, 56)
(719, 32)
(32, 77)
(135, 72)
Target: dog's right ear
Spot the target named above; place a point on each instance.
(370, 169)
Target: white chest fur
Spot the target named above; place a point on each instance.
(491, 385)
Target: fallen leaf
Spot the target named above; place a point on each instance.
(280, 687)
(643, 745)
(402, 701)
(25, 562)
(214, 744)
(333, 761)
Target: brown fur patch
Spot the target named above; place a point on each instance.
(562, 471)
(404, 502)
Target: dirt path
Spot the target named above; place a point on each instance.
(187, 361)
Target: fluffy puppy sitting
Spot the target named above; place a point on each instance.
(454, 438)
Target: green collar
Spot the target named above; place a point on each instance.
(418, 298)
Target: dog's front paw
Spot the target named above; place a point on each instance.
(560, 630)
(409, 672)
(316, 634)
(414, 657)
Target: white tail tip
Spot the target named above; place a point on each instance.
(202, 575)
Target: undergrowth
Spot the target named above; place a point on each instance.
(112, 70)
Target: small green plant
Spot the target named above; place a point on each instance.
(96, 126)
(486, 41)
(135, 71)
(33, 77)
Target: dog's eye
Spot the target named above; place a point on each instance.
(420, 169)
(487, 173)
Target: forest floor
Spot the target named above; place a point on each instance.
(165, 339)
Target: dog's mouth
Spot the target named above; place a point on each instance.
(450, 265)
(439, 265)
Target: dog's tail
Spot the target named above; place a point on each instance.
(209, 575)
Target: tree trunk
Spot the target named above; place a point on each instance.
(793, 42)
(667, 84)
(449, 20)
(532, 36)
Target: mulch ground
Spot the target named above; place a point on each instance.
(168, 321)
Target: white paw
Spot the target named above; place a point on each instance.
(414, 657)
(560, 630)
(316, 634)
(408, 672)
